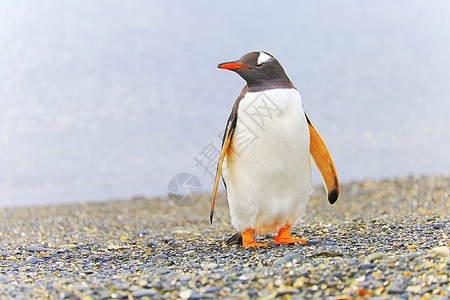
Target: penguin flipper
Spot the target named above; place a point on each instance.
(324, 163)
(227, 137)
(226, 142)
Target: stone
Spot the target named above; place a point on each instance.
(12, 258)
(186, 294)
(367, 266)
(374, 256)
(32, 260)
(287, 258)
(144, 293)
(439, 225)
(442, 251)
(36, 249)
(68, 246)
(414, 289)
(210, 266)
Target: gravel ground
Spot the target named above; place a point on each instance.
(382, 239)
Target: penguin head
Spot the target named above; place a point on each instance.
(260, 70)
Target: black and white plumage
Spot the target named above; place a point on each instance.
(265, 158)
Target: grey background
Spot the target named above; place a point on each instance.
(110, 99)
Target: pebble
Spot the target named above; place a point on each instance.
(186, 294)
(144, 293)
(186, 277)
(287, 258)
(210, 266)
(213, 289)
(374, 256)
(367, 266)
(142, 233)
(438, 226)
(32, 260)
(36, 249)
(381, 240)
(414, 289)
(151, 244)
(68, 246)
(439, 252)
(310, 243)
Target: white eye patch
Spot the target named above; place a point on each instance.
(263, 57)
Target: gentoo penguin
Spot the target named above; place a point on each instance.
(265, 157)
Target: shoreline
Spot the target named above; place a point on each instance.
(206, 193)
(376, 241)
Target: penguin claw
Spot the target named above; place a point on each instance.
(249, 241)
(255, 245)
(284, 237)
(288, 241)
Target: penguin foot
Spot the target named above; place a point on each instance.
(249, 241)
(255, 245)
(290, 241)
(284, 237)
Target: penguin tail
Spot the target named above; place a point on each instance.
(236, 239)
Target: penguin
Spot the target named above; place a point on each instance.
(265, 160)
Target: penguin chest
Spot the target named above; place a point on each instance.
(267, 169)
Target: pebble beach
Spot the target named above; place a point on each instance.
(386, 239)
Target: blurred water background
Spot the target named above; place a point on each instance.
(111, 99)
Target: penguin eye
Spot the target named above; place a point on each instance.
(263, 58)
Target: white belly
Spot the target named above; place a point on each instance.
(268, 170)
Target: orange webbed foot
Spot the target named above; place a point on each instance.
(249, 241)
(290, 241)
(284, 237)
(255, 245)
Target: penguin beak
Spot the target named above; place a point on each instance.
(231, 66)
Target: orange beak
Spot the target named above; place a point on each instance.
(231, 66)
